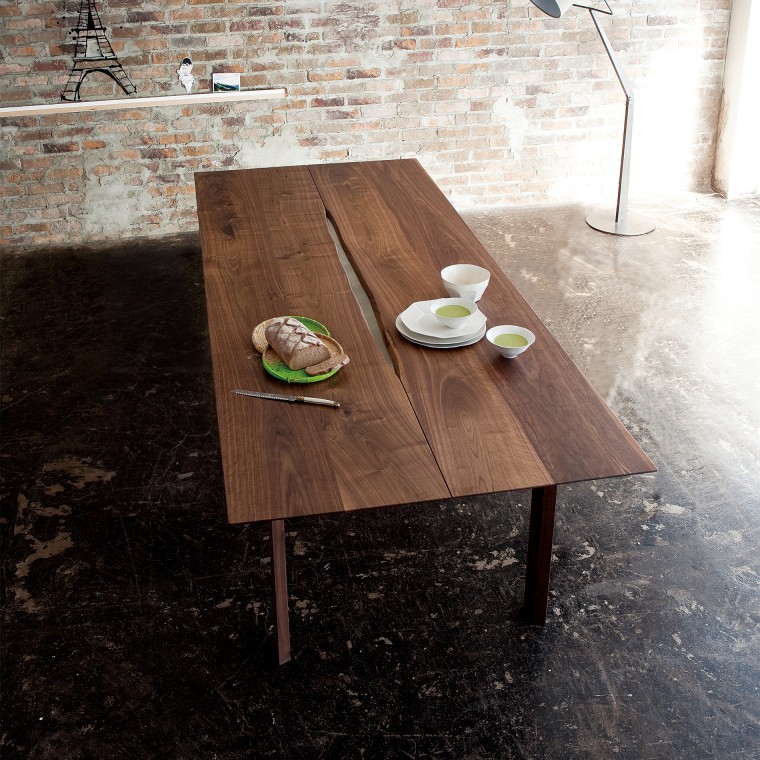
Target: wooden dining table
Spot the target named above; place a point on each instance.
(352, 245)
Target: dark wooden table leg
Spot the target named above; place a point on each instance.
(542, 506)
(280, 589)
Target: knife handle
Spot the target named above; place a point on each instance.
(322, 401)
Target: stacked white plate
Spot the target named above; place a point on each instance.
(418, 325)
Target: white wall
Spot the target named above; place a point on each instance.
(737, 157)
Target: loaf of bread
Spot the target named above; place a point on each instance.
(295, 344)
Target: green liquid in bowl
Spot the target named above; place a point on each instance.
(452, 310)
(510, 340)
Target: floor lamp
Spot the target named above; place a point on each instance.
(621, 221)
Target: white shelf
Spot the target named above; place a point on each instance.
(162, 100)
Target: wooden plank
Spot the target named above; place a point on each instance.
(493, 424)
(267, 252)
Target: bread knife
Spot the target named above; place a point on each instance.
(281, 397)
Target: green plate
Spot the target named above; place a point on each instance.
(281, 371)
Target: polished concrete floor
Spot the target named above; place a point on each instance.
(136, 621)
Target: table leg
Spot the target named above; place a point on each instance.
(280, 589)
(542, 506)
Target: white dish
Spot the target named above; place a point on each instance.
(420, 320)
(510, 352)
(420, 338)
(428, 342)
(457, 321)
(465, 281)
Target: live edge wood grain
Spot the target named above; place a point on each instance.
(267, 252)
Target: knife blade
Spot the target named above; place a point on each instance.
(282, 397)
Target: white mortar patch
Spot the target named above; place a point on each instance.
(515, 123)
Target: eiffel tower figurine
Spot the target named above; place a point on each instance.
(93, 52)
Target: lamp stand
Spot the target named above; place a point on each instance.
(620, 221)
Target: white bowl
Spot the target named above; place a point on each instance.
(465, 281)
(509, 352)
(451, 321)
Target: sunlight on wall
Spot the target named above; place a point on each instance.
(667, 102)
(670, 77)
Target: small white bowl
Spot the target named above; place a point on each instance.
(465, 281)
(509, 352)
(452, 321)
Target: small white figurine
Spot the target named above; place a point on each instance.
(185, 74)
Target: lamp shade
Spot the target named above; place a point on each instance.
(554, 8)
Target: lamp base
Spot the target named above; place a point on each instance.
(635, 224)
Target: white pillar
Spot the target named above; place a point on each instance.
(737, 155)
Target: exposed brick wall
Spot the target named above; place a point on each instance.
(500, 103)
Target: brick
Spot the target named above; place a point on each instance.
(406, 17)
(248, 25)
(662, 20)
(327, 102)
(11, 68)
(103, 170)
(342, 114)
(70, 147)
(362, 73)
(18, 51)
(39, 189)
(136, 115)
(265, 10)
(51, 66)
(332, 155)
(175, 138)
(324, 76)
(24, 24)
(417, 31)
(486, 27)
(141, 17)
(184, 14)
(363, 100)
(12, 191)
(419, 57)
(72, 173)
(158, 153)
(38, 162)
(37, 227)
(174, 190)
(407, 44)
(74, 131)
(35, 135)
(199, 150)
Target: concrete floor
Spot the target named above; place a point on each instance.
(136, 620)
